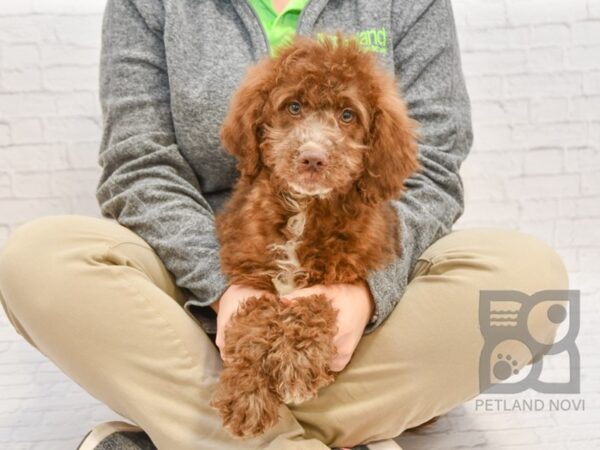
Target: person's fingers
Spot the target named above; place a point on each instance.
(219, 343)
(295, 294)
(340, 362)
(302, 292)
(345, 343)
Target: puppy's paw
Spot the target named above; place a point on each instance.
(298, 382)
(300, 356)
(243, 396)
(245, 403)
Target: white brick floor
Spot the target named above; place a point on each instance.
(533, 74)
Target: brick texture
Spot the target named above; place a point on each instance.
(533, 74)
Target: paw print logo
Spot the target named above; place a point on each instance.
(518, 329)
(505, 367)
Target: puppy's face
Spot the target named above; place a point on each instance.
(315, 134)
(322, 118)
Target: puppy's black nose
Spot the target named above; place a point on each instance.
(312, 159)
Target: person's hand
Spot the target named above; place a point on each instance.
(228, 304)
(355, 306)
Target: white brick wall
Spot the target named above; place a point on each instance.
(533, 73)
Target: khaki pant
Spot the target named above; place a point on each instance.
(96, 300)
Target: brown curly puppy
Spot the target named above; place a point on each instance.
(323, 142)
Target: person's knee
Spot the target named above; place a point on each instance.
(544, 264)
(516, 260)
(27, 259)
(549, 274)
(532, 266)
(23, 245)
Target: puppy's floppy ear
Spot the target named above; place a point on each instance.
(240, 129)
(392, 153)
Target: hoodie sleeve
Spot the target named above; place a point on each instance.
(428, 66)
(146, 184)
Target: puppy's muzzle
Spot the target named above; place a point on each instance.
(312, 158)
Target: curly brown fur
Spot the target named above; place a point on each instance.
(298, 363)
(244, 397)
(311, 207)
(267, 331)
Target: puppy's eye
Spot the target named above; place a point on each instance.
(347, 115)
(294, 108)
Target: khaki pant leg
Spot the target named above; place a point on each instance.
(96, 300)
(424, 359)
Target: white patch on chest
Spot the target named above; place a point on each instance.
(287, 259)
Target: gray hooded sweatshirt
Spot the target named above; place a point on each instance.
(168, 70)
